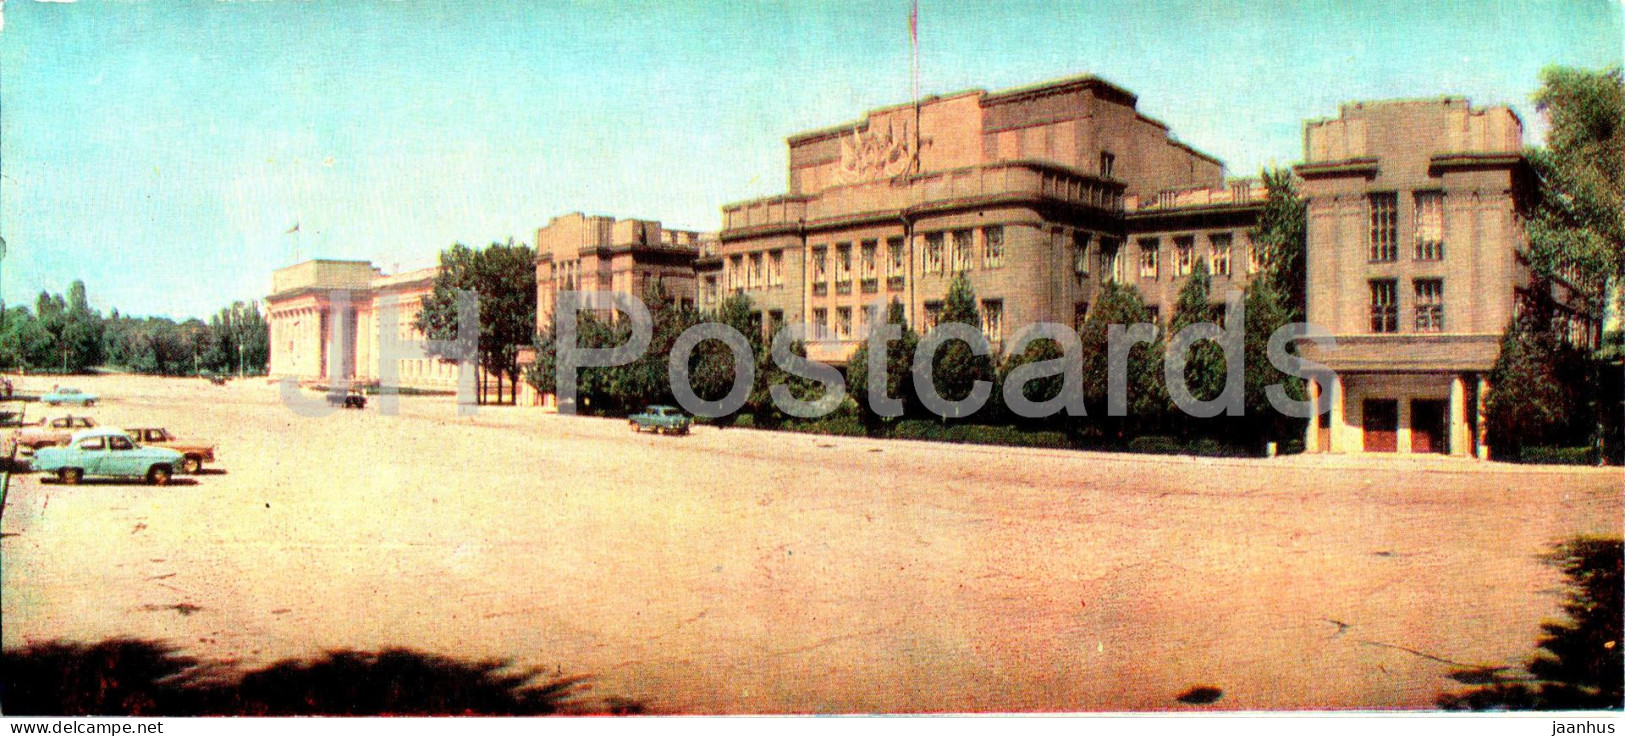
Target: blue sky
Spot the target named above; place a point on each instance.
(160, 150)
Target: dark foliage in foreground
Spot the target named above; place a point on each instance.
(132, 677)
(1579, 665)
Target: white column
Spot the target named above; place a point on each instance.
(1339, 433)
(1459, 439)
(1402, 439)
(1311, 439)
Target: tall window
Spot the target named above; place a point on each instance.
(868, 262)
(1255, 259)
(843, 262)
(736, 273)
(993, 319)
(1384, 305)
(1107, 163)
(993, 246)
(820, 321)
(1429, 226)
(933, 314)
(1219, 253)
(820, 264)
(1384, 226)
(1184, 255)
(894, 256)
(1080, 254)
(756, 280)
(933, 252)
(843, 322)
(1080, 313)
(1148, 258)
(1429, 305)
(964, 244)
(775, 268)
(1111, 260)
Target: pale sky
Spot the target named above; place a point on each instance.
(160, 150)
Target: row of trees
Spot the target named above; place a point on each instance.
(64, 334)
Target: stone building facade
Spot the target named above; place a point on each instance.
(594, 253)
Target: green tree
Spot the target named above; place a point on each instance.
(503, 276)
(1281, 238)
(899, 375)
(1274, 298)
(1534, 386)
(1205, 365)
(1147, 396)
(956, 368)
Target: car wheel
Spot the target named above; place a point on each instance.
(633, 426)
(192, 465)
(70, 476)
(158, 475)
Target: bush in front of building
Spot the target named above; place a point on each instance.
(1557, 455)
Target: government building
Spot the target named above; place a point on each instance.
(1040, 195)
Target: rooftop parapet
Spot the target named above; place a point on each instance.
(1442, 126)
(324, 274)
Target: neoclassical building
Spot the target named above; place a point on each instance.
(321, 305)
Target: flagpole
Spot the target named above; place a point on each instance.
(914, 74)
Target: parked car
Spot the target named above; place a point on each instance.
(193, 454)
(660, 418)
(351, 399)
(52, 431)
(64, 395)
(110, 453)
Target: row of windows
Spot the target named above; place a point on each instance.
(844, 328)
(868, 265)
(1429, 226)
(1427, 305)
(759, 270)
(1185, 255)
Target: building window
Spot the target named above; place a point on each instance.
(1111, 261)
(756, 280)
(775, 320)
(933, 314)
(1384, 226)
(1080, 255)
(993, 246)
(710, 288)
(1107, 163)
(964, 243)
(1255, 259)
(820, 265)
(843, 262)
(820, 322)
(1429, 226)
(868, 258)
(1219, 253)
(775, 268)
(1384, 306)
(843, 322)
(1154, 313)
(933, 252)
(1429, 305)
(736, 273)
(1148, 258)
(993, 319)
(1080, 313)
(894, 257)
(1184, 255)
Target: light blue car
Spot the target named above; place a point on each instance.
(107, 452)
(60, 396)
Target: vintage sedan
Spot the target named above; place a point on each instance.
(52, 431)
(109, 453)
(65, 395)
(660, 419)
(195, 453)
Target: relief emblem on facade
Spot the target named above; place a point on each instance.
(875, 154)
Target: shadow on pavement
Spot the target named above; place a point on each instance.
(144, 678)
(1578, 665)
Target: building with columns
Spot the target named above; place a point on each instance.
(1416, 265)
(595, 253)
(319, 305)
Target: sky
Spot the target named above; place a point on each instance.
(161, 150)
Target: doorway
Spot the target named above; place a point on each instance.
(1381, 423)
(1427, 426)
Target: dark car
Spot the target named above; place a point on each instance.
(352, 399)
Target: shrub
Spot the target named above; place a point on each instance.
(1155, 444)
(1558, 456)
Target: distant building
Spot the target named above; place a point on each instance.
(593, 253)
